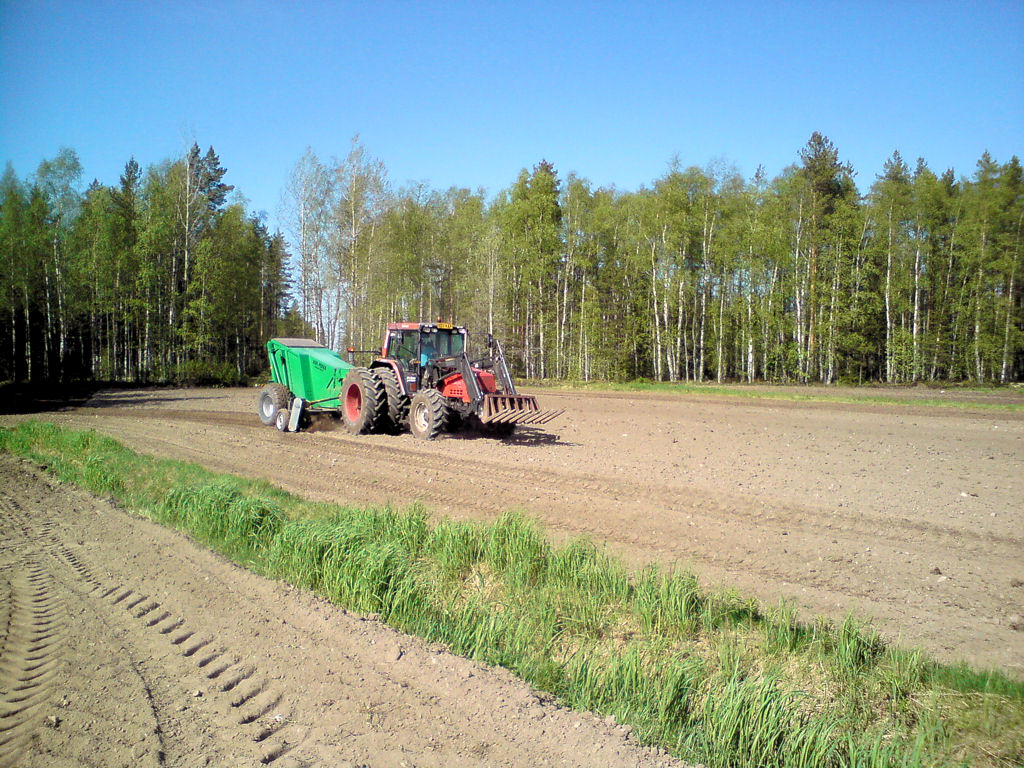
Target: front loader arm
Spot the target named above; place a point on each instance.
(473, 390)
(501, 366)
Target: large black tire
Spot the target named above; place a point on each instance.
(363, 402)
(273, 398)
(428, 414)
(397, 400)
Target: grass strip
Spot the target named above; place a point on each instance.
(708, 675)
(765, 392)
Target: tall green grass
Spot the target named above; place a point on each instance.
(709, 675)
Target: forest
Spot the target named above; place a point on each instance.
(702, 276)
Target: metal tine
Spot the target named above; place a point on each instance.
(543, 417)
(517, 416)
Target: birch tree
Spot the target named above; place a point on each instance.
(307, 209)
(361, 197)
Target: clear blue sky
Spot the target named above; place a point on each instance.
(468, 93)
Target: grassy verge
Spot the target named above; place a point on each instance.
(839, 394)
(710, 676)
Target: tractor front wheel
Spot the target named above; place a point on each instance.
(428, 414)
(363, 401)
(273, 398)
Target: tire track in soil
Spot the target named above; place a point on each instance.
(30, 656)
(38, 536)
(242, 696)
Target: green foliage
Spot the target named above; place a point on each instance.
(703, 275)
(709, 676)
(155, 279)
(201, 373)
(706, 275)
(222, 515)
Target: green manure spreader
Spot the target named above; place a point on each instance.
(305, 377)
(422, 379)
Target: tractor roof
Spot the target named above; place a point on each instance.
(425, 327)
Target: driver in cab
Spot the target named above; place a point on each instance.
(427, 351)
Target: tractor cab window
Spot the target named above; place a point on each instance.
(417, 347)
(449, 343)
(442, 343)
(405, 346)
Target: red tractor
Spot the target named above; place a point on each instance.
(424, 380)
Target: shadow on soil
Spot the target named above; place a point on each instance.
(523, 435)
(128, 399)
(51, 398)
(43, 398)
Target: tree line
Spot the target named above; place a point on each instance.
(703, 275)
(158, 278)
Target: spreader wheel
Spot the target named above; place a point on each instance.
(363, 401)
(273, 398)
(428, 414)
(283, 417)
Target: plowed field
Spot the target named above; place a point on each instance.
(909, 513)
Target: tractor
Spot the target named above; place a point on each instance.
(423, 380)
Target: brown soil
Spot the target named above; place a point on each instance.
(909, 514)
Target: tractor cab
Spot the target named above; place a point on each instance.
(420, 347)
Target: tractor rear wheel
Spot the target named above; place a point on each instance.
(363, 401)
(398, 401)
(428, 414)
(273, 398)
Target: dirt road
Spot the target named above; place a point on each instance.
(122, 644)
(911, 514)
